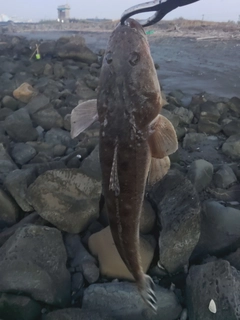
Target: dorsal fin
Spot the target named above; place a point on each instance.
(114, 181)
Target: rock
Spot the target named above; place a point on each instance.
(66, 198)
(67, 122)
(48, 70)
(33, 262)
(185, 115)
(200, 174)
(24, 93)
(22, 153)
(215, 281)
(77, 314)
(101, 245)
(91, 81)
(234, 259)
(179, 214)
(220, 230)
(4, 113)
(91, 165)
(17, 307)
(84, 92)
(48, 118)
(10, 103)
(17, 183)
(224, 177)
(148, 218)
(38, 103)
(40, 168)
(80, 258)
(174, 119)
(9, 211)
(208, 111)
(232, 147)
(234, 105)
(19, 126)
(58, 70)
(209, 127)
(77, 286)
(58, 136)
(232, 127)
(123, 301)
(6, 163)
(59, 150)
(192, 139)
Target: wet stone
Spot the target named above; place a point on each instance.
(224, 177)
(22, 153)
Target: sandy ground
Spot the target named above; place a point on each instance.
(186, 62)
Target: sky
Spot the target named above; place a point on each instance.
(216, 10)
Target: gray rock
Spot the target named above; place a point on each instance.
(59, 150)
(216, 281)
(220, 230)
(122, 301)
(174, 119)
(185, 115)
(209, 127)
(66, 198)
(37, 103)
(208, 111)
(6, 163)
(80, 259)
(9, 211)
(179, 214)
(40, 168)
(33, 262)
(224, 177)
(48, 70)
(4, 113)
(58, 136)
(200, 174)
(91, 165)
(234, 105)
(232, 147)
(22, 153)
(84, 92)
(67, 122)
(17, 183)
(191, 140)
(19, 126)
(58, 70)
(91, 81)
(48, 118)
(232, 127)
(234, 259)
(17, 307)
(77, 314)
(10, 102)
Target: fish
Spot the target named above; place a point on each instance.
(135, 140)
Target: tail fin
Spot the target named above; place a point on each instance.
(146, 290)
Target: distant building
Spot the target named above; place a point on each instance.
(63, 13)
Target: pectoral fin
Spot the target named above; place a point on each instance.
(83, 116)
(158, 169)
(163, 139)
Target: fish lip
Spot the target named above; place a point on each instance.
(162, 8)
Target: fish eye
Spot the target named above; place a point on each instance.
(134, 58)
(109, 57)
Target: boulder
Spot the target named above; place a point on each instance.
(101, 245)
(234, 105)
(58, 136)
(37, 103)
(232, 147)
(213, 291)
(22, 153)
(192, 139)
(77, 314)
(66, 198)
(179, 214)
(185, 116)
(91, 165)
(17, 183)
(24, 93)
(224, 177)
(10, 102)
(4, 113)
(200, 173)
(19, 126)
(9, 211)
(33, 262)
(232, 127)
(48, 118)
(122, 301)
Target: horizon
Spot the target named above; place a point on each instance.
(218, 10)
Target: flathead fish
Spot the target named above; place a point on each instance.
(135, 140)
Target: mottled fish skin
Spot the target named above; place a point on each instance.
(129, 99)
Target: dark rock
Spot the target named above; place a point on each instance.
(174, 119)
(17, 183)
(192, 139)
(19, 126)
(179, 214)
(185, 116)
(40, 168)
(58, 70)
(224, 177)
(91, 165)
(215, 281)
(80, 259)
(15, 307)
(9, 211)
(232, 127)
(78, 314)
(58, 136)
(84, 92)
(208, 111)
(4, 113)
(234, 105)
(22, 153)
(6, 163)
(33, 261)
(37, 103)
(200, 174)
(77, 285)
(209, 127)
(66, 198)
(220, 230)
(232, 147)
(48, 70)
(48, 118)
(122, 301)
(67, 122)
